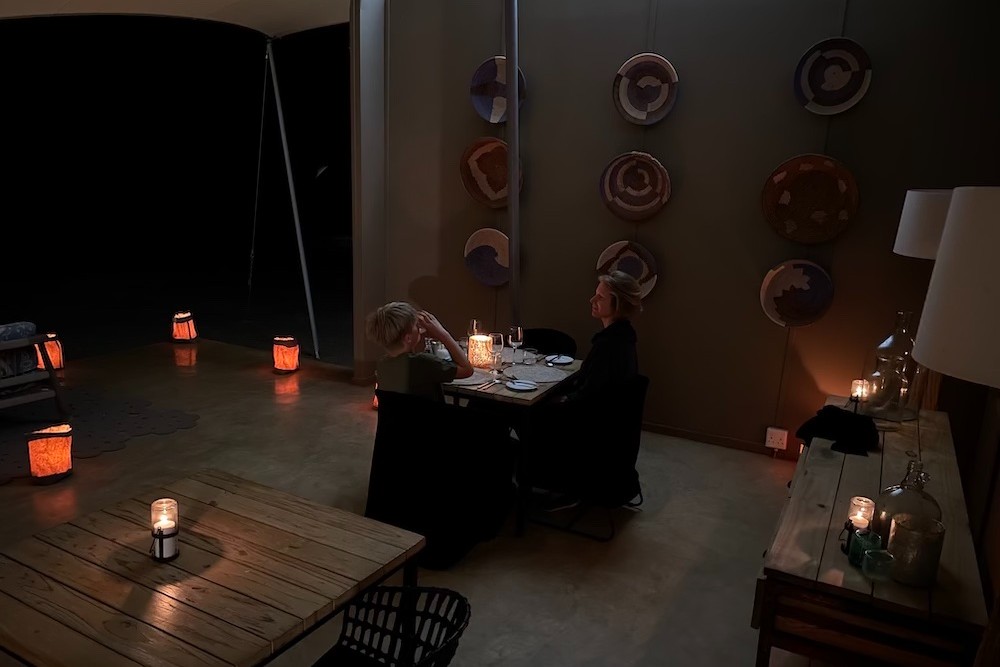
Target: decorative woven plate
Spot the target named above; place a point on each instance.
(796, 292)
(635, 186)
(645, 88)
(489, 89)
(484, 171)
(633, 259)
(487, 256)
(810, 198)
(832, 76)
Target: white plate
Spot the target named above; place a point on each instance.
(559, 359)
(521, 385)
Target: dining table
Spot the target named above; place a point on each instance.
(547, 374)
(257, 569)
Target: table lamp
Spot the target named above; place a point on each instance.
(921, 222)
(960, 325)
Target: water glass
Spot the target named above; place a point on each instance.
(496, 364)
(530, 356)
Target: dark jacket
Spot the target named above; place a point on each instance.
(612, 360)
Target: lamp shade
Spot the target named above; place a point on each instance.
(960, 324)
(920, 224)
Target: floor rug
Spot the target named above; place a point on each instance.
(101, 423)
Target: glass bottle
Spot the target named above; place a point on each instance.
(907, 497)
(892, 395)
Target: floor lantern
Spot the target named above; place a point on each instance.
(50, 453)
(184, 331)
(54, 349)
(286, 354)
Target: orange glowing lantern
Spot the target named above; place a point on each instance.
(184, 331)
(50, 453)
(375, 398)
(54, 349)
(286, 354)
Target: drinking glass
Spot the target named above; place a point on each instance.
(530, 356)
(497, 340)
(515, 338)
(496, 363)
(475, 327)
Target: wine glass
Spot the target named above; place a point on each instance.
(475, 327)
(496, 363)
(515, 338)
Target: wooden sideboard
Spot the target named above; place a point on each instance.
(811, 601)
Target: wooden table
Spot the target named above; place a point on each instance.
(810, 600)
(258, 568)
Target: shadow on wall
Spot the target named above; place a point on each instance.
(798, 406)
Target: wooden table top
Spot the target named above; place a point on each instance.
(806, 547)
(499, 392)
(257, 568)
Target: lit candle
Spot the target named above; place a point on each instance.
(860, 523)
(480, 351)
(164, 519)
(859, 390)
(861, 507)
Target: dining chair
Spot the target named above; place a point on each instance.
(440, 470)
(397, 626)
(550, 341)
(610, 478)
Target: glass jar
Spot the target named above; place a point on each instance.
(893, 392)
(906, 497)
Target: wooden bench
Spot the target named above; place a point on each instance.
(45, 382)
(811, 601)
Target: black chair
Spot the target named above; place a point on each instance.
(606, 451)
(395, 626)
(550, 341)
(440, 470)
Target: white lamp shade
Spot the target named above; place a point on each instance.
(920, 224)
(959, 332)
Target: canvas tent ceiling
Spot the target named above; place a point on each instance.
(274, 18)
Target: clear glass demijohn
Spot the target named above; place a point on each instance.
(896, 385)
(907, 497)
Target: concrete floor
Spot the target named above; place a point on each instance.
(675, 587)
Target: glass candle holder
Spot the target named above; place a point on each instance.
(876, 564)
(861, 507)
(862, 541)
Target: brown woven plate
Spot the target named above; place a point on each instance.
(810, 198)
(484, 171)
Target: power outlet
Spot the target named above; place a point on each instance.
(776, 438)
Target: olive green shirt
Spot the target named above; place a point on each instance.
(418, 374)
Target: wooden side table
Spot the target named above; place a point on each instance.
(811, 601)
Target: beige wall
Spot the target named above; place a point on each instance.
(720, 370)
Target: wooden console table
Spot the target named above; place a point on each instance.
(811, 601)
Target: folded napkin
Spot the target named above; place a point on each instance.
(477, 378)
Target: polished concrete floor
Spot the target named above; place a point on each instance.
(675, 587)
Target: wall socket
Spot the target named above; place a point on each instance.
(776, 438)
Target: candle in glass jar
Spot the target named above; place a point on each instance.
(861, 507)
(859, 390)
(480, 350)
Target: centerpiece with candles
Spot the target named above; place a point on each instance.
(165, 525)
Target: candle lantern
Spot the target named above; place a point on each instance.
(50, 453)
(54, 349)
(375, 398)
(859, 518)
(480, 351)
(184, 331)
(165, 525)
(286, 354)
(859, 392)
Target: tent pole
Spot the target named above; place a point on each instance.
(291, 192)
(513, 161)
